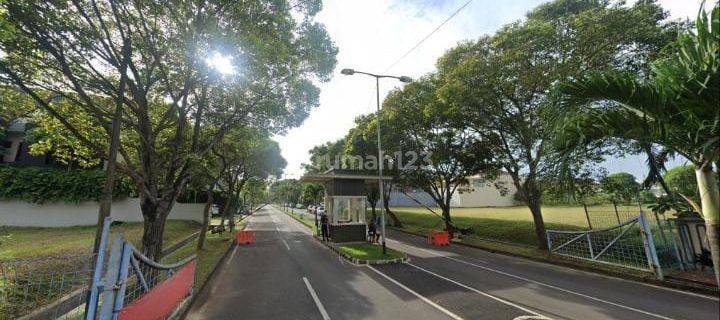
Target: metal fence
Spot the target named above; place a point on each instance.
(640, 242)
(46, 288)
(131, 284)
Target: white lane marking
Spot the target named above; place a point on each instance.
(276, 229)
(232, 255)
(286, 244)
(426, 300)
(548, 285)
(503, 301)
(698, 295)
(319, 304)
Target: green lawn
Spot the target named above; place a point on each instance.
(215, 246)
(61, 257)
(307, 219)
(21, 242)
(366, 251)
(511, 224)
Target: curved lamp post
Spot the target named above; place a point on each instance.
(349, 72)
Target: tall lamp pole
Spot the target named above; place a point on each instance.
(377, 77)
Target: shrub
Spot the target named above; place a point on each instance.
(45, 184)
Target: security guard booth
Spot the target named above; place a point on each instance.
(345, 202)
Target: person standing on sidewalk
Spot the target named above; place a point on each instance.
(324, 227)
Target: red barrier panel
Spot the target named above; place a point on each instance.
(245, 237)
(161, 300)
(440, 238)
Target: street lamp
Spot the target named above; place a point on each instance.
(349, 72)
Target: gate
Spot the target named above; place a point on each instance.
(629, 244)
(132, 286)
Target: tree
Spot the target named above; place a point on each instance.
(677, 107)
(361, 141)
(449, 155)
(620, 186)
(286, 191)
(312, 193)
(503, 86)
(326, 156)
(148, 60)
(681, 179)
(254, 155)
(254, 192)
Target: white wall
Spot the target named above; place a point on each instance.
(63, 214)
(485, 194)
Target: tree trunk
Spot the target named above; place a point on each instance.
(710, 201)
(395, 221)
(534, 205)
(531, 195)
(652, 161)
(154, 216)
(206, 219)
(448, 221)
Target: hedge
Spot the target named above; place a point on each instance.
(46, 184)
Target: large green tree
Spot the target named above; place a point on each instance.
(446, 155)
(361, 143)
(620, 186)
(503, 85)
(676, 107)
(149, 59)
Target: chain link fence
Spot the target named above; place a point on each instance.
(44, 288)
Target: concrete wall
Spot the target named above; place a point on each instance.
(482, 193)
(63, 214)
(479, 193)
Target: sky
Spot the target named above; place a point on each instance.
(372, 35)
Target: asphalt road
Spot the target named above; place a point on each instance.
(288, 275)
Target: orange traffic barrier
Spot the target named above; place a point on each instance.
(440, 238)
(245, 237)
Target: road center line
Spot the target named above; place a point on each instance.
(319, 304)
(426, 300)
(545, 284)
(286, 244)
(519, 307)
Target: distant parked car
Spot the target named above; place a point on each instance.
(320, 210)
(299, 206)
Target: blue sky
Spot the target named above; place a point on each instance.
(372, 34)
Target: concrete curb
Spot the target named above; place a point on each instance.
(650, 279)
(355, 261)
(362, 262)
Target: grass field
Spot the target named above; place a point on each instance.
(42, 264)
(215, 247)
(511, 224)
(20, 242)
(306, 219)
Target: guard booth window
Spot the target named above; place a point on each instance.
(349, 209)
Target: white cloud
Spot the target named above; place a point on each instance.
(371, 35)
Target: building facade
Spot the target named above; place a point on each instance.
(480, 192)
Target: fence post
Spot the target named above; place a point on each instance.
(589, 240)
(96, 286)
(111, 277)
(649, 245)
(549, 241)
(122, 279)
(617, 214)
(587, 215)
